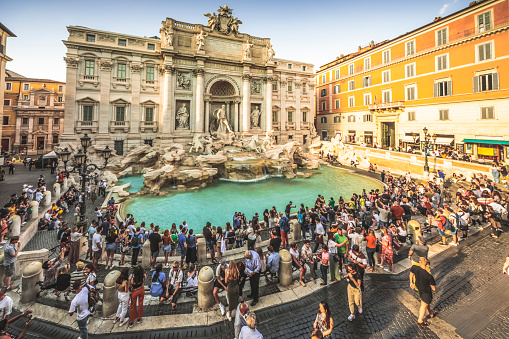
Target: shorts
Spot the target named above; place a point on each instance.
(97, 254)
(111, 247)
(154, 254)
(210, 245)
(89, 243)
(294, 264)
(343, 258)
(10, 270)
(167, 248)
(183, 254)
(218, 285)
(453, 230)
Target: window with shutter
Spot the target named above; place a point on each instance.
(442, 88)
(411, 116)
(337, 103)
(444, 114)
(350, 69)
(410, 70)
(324, 105)
(88, 113)
(442, 37)
(486, 82)
(441, 62)
(386, 76)
(351, 101)
(410, 48)
(367, 99)
(485, 51)
(410, 93)
(351, 85)
(120, 113)
(337, 119)
(336, 74)
(484, 22)
(149, 113)
(386, 56)
(367, 64)
(386, 96)
(487, 113)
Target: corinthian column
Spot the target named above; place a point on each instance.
(268, 105)
(246, 102)
(198, 119)
(167, 122)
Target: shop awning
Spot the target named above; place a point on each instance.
(409, 139)
(482, 141)
(444, 141)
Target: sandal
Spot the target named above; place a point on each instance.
(424, 323)
(433, 314)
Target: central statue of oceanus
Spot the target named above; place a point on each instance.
(220, 123)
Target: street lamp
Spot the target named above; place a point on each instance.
(427, 143)
(83, 168)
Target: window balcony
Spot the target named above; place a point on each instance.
(85, 126)
(276, 126)
(387, 106)
(122, 126)
(290, 126)
(305, 125)
(148, 126)
(149, 84)
(121, 82)
(90, 79)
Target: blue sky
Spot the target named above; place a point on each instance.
(310, 31)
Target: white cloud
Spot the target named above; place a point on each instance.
(443, 9)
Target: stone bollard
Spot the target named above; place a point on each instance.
(34, 206)
(31, 275)
(285, 268)
(414, 230)
(110, 295)
(103, 246)
(205, 287)
(46, 199)
(15, 221)
(296, 230)
(56, 189)
(201, 251)
(145, 255)
(64, 185)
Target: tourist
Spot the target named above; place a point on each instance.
(297, 262)
(323, 320)
(80, 305)
(386, 256)
(243, 277)
(5, 322)
(5, 304)
(358, 259)
(251, 237)
(308, 258)
(445, 224)
(240, 318)
(91, 275)
(91, 230)
(96, 246)
(316, 334)
(232, 283)
(263, 260)
(137, 295)
(210, 241)
(249, 331)
(136, 243)
(495, 172)
(122, 286)
(284, 228)
(11, 251)
(220, 284)
(78, 275)
(275, 241)
(111, 241)
(354, 279)
(319, 233)
(426, 285)
(494, 219)
(191, 248)
(253, 267)
(343, 248)
(334, 259)
(219, 242)
(158, 282)
(371, 249)
(266, 216)
(63, 283)
(50, 271)
(182, 243)
(155, 246)
(74, 248)
(272, 263)
(419, 250)
(192, 280)
(324, 267)
(124, 245)
(288, 210)
(175, 279)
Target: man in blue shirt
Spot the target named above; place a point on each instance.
(136, 242)
(253, 267)
(182, 241)
(284, 227)
(272, 261)
(236, 221)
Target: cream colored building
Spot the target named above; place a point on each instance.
(4, 34)
(128, 90)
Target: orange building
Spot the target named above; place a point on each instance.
(4, 34)
(33, 114)
(451, 76)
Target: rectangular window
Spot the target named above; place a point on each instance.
(367, 117)
(274, 116)
(149, 113)
(324, 78)
(366, 81)
(304, 88)
(120, 113)
(290, 86)
(410, 93)
(60, 88)
(24, 139)
(367, 99)
(290, 116)
(151, 47)
(336, 74)
(323, 92)
(5, 120)
(41, 121)
(150, 73)
(386, 56)
(303, 68)
(26, 87)
(119, 147)
(336, 89)
(25, 97)
(121, 71)
(486, 82)
(88, 113)
(410, 70)
(122, 42)
(386, 76)
(289, 66)
(485, 51)
(484, 22)
(55, 138)
(337, 119)
(24, 121)
(367, 64)
(337, 103)
(304, 116)
(56, 121)
(90, 37)
(60, 99)
(487, 113)
(89, 67)
(411, 116)
(351, 101)
(323, 120)
(148, 142)
(351, 69)
(351, 118)
(386, 96)
(441, 62)
(8, 86)
(324, 105)
(351, 85)
(410, 48)
(7, 102)
(443, 114)
(441, 37)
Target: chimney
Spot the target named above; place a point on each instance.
(372, 43)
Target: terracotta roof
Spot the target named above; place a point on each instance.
(5, 29)
(13, 76)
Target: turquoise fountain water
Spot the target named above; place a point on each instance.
(218, 201)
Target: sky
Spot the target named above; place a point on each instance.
(309, 31)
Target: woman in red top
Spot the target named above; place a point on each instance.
(371, 249)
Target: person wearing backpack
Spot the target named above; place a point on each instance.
(158, 282)
(136, 242)
(444, 224)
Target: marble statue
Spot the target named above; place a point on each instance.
(168, 36)
(253, 144)
(255, 117)
(221, 123)
(246, 49)
(223, 22)
(197, 145)
(270, 53)
(256, 87)
(182, 117)
(234, 25)
(183, 81)
(200, 41)
(212, 22)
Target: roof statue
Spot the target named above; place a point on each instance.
(223, 22)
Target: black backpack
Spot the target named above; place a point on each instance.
(135, 241)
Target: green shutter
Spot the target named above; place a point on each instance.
(449, 88)
(476, 83)
(494, 79)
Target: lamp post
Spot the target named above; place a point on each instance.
(427, 143)
(83, 168)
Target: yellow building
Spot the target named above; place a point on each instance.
(449, 76)
(33, 114)
(4, 34)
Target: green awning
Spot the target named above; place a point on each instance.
(482, 141)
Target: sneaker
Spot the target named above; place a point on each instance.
(223, 310)
(453, 244)
(228, 315)
(359, 309)
(166, 266)
(442, 244)
(116, 320)
(139, 320)
(122, 323)
(131, 325)
(351, 317)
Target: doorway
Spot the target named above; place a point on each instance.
(324, 134)
(388, 134)
(40, 143)
(5, 145)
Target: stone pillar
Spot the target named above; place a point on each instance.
(246, 103)
(17, 138)
(285, 268)
(56, 189)
(296, 230)
(34, 206)
(15, 222)
(110, 295)
(70, 116)
(29, 288)
(134, 119)
(145, 255)
(46, 199)
(283, 114)
(49, 138)
(167, 122)
(268, 105)
(64, 185)
(236, 128)
(207, 115)
(30, 138)
(201, 251)
(105, 113)
(198, 118)
(205, 287)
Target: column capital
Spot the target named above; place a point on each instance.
(136, 68)
(105, 65)
(247, 77)
(268, 79)
(71, 62)
(167, 69)
(198, 72)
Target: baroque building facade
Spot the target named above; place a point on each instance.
(127, 91)
(451, 76)
(4, 34)
(33, 114)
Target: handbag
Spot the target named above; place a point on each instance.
(378, 246)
